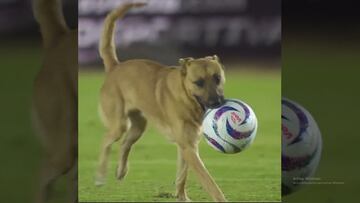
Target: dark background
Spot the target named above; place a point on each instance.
(16, 18)
(239, 30)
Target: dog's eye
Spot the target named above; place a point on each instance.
(217, 78)
(200, 83)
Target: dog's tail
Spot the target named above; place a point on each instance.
(107, 47)
(48, 13)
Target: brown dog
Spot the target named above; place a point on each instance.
(172, 98)
(55, 99)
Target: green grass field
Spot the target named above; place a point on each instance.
(252, 175)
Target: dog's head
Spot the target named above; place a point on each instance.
(204, 80)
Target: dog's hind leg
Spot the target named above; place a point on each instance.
(116, 121)
(138, 125)
(49, 174)
(113, 135)
(54, 165)
(181, 175)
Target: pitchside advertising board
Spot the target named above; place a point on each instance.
(177, 28)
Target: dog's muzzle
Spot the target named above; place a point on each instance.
(200, 102)
(212, 103)
(215, 102)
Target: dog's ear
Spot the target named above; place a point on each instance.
(216, 58)
(184, 62)
(213, 57)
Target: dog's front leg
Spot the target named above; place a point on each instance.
(191, 156)
(181, 175)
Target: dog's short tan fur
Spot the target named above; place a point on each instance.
(172, 98)
(55, 99)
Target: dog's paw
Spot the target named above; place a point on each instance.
(121, 172)
(182, 198)
(99, 180)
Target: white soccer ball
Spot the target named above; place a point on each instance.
(301, 146)
(231, 127)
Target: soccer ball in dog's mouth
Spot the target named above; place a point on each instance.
(230, 128)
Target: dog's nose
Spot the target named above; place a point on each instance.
(215, 103)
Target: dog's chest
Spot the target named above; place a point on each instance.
(167, 131)
(180, 132)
